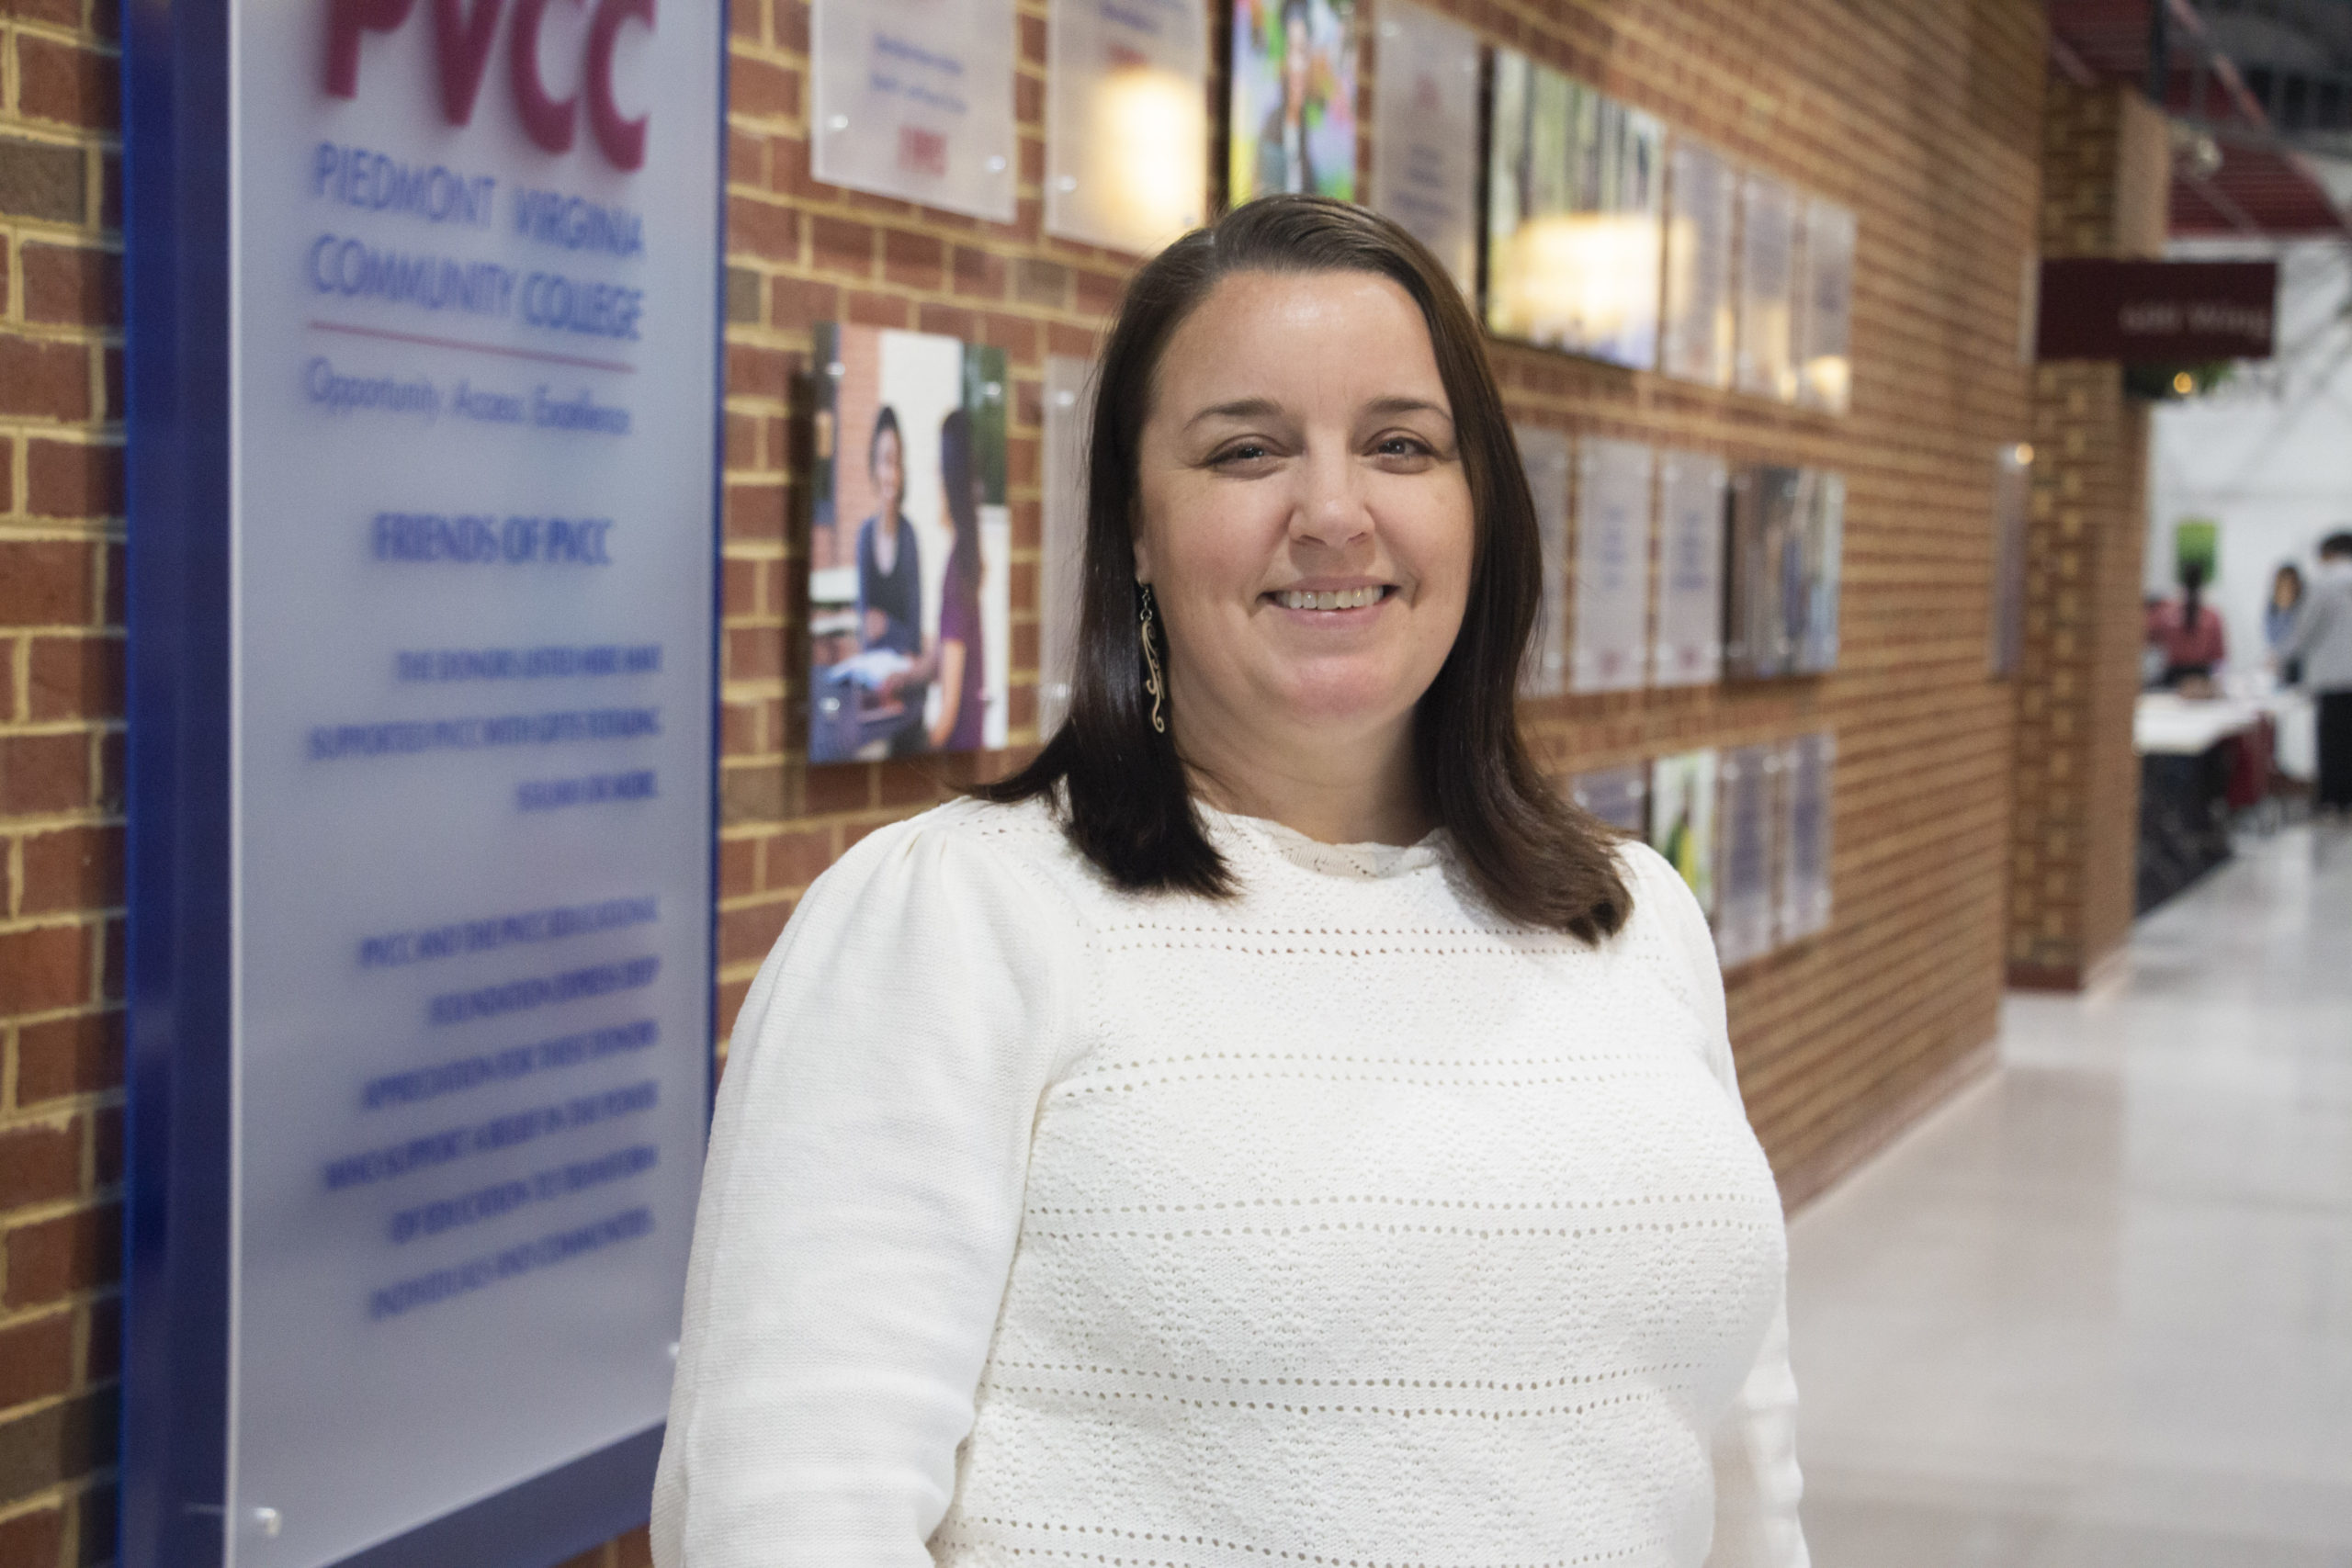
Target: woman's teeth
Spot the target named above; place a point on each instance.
(1347, 599)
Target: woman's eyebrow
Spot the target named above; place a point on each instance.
(1241, 408)
(1396, 405)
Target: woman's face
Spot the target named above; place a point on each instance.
(1306, 519)
(889, 473)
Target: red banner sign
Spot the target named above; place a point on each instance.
(2157, 313)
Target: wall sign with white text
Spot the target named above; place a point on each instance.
(421, 444)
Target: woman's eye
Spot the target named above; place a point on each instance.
(1244, 452)
(1402, 446)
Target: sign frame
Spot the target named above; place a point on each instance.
(181, 264)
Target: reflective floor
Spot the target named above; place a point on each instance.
(2097, 1313)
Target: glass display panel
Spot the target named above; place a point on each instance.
(1825, 320)
(1069, 413)
(1807, 766)
(1546, 454)
(910, 548)
(1425, 140)
(1698, 341)
(1691, 496)
(1766, 559)
(1613, 566)
(914, 99)
(2012, 509)
(1575, 216)
(1747, 829)
(1292, 111)
(1766, 363)
(1682, 819)
(1811, 610)
(1127, 121)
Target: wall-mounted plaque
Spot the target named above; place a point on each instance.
(1766, 591)
(2012, 508)
(1688, 649)
(1766, 363)
(1425, 140)
(1070, 414)
(1546, 454)
(1807, 767)
(1682, 819)
(1127, 121)
(1619, 796)
(1825, 308)
(1811, 610)
(1575, 213)
(1697, 340)
(911, 547)
(1746, 829)
(1613, 566)
(1292, 124)
(914, 99)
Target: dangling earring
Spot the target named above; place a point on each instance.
(1151, 681)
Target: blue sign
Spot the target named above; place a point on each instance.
(423, 402)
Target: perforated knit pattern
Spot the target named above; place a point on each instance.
(1336, 1224)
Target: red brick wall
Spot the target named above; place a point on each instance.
(1922, 115)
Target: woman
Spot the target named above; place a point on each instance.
(1272, 1127)
(957, 725)
(2279, 618)
(2189, 633)
(890, 570)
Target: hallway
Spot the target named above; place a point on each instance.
(2097, 1313)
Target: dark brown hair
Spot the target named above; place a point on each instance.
(1128, 802)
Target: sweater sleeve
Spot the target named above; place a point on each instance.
(860, 1206)
(1757, 1480)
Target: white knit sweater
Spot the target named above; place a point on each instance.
(1339, 1223)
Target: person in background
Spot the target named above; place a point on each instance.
(889, 573)
(2190, 632)
(2322, 642)
(1282, 161)
(2279, 618)
(957, 725)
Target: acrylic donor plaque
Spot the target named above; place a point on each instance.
(1825, 324)
(1682, 819)
(1424, 142)
(1812, 612)
(1612, 559)
(2012, 509)
(1807, 766)
(1689, 648)
(1292, 114)
(1697, 342)
(1545, 454)
(1746, 823)
(910, 548)
(914, 98)
(1070, 414)
(1575, 213)
(1766, 362)
(1127, 121)
(1619, 796)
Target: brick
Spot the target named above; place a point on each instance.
(913, 260)
(743, 295)
(979, 274)
(43, 773)
(791, 21)
(794, 860)
(44, 380)
(948, 320)
(44, 969)
(72, 285)
(754, 653)
(36, 1539)
(634, 1550)
(761, 229)
(73, 479)
(868, 309)
(75, 677)
(796, 304)
(46, 582)
(836, 244)
(738, 861)
(103, 1358)
(726, 1005)
(58, 1442)
(66, 82)
(745, 935)
(761, 89)
(82, 1054)
(44, 181)
(754, 510)
(73, 869)
(1042, 283)
(40, 1164)
(52, 1258)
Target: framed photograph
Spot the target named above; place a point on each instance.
(1070, 414)
(1811, 610)
(1766, 363)
(1575, 216)
(1747, 823)
(1682, 819)
(1292, 123)
(1765, 561)
(1824, 328)
(1807, 764)
(1425, 135)
(1619, 796)
(1697, 342)
(909, 599)
(1613, 557)
(1546, 455)
(1127, 121)
(1688, 649)
(914, 99)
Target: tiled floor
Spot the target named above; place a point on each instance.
(2097, 1313)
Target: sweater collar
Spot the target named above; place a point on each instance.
(1363, 862)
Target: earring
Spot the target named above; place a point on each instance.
(1151, 681)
